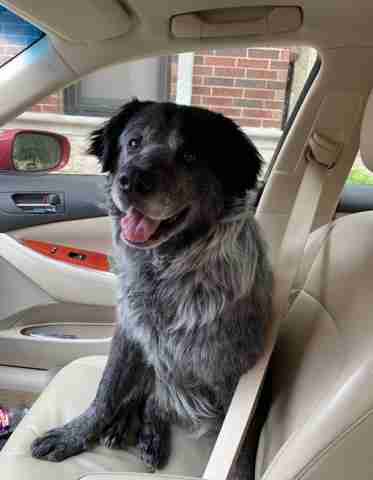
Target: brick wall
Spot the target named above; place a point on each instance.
(50, 104)
(246, 84)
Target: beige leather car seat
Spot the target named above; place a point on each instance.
(319, 425)
(68, 395)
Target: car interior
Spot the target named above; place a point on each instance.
(313, 419)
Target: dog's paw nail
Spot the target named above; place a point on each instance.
(109, 442)
(115, 441)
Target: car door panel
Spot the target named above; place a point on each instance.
(77, 196)
(18, 348)
(90, 233)
(41, 293)
(43, 350)
(53, 312)
(62, 281)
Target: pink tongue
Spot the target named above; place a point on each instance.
(136, 227)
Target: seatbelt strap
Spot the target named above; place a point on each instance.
(321, 155)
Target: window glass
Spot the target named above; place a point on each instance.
(15, 35)
(359, 174)
(256, 87)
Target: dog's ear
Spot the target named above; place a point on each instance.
(236, 161)
(104, 140)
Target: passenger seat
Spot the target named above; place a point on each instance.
(320, 424)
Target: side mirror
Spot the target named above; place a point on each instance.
(33, 151)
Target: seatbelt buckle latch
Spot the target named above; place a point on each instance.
(323, 150)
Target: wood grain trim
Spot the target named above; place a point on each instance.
(71, 255)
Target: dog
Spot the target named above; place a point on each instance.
(195, 280)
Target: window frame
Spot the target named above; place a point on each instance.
(76, 104)
(306, 88)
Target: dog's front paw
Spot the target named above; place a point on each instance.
(58, 444)
(153, 445)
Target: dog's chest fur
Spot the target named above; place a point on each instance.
(197, 321)
(178, 341)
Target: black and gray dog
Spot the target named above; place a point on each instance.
(195, 281)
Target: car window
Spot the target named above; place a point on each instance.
(359, 174)
(15, 35)
(256, 87)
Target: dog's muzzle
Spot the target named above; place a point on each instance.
(138, 181)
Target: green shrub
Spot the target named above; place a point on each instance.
(359, 176)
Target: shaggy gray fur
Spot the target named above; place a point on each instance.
(193, 305)
(201, 330)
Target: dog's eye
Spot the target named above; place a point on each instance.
(134, 142)
(189, 158)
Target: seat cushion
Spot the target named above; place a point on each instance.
(68, 395)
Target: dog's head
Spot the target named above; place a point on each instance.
(173, 169)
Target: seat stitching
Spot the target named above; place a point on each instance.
(325, 310)
(321, 242)
(334, 443)
(280, 452)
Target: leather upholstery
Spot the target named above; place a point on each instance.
(320, 425)
(69, 393)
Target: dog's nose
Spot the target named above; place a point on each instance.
(138, 181)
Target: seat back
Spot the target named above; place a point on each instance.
(319, 425)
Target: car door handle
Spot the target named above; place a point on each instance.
(40, 207)
(39, 203)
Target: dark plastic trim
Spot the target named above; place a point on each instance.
(307, 86)
(355, 198)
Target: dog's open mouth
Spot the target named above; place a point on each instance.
(138, 229)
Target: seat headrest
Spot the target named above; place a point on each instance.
(366, 134)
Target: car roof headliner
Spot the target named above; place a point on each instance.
(146, 27)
